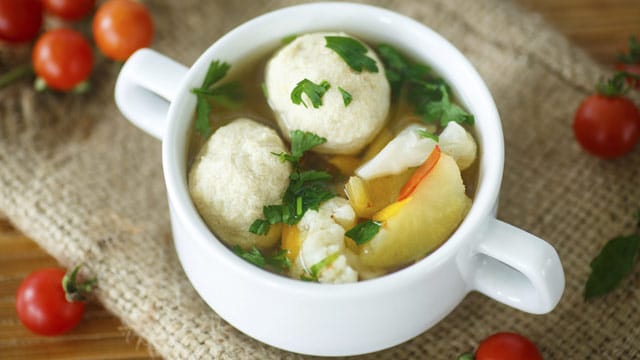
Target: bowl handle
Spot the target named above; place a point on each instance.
(146, 85)
(517, 268)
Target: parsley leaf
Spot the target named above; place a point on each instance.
(426, 91)
(312, 90)
(217, 70)
(614, 262)
(364, 231)
(353, 52)
(428, 135)
(203, 109)
(227, 95)
(287, 39)
(346, 97)
(315, 269)
(259, 227)
(307, 189)
(400, 70)
(277, 262)
(301, 142)
(445, 111)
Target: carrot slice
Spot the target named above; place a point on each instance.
(420, 174)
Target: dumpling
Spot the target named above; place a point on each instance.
(347, 128)
(234, 175)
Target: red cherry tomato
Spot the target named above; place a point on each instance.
(20, 20)
(42, 306)
(120, 27)
(507, 346)
(69, 9)
(630, 68)
(606, 126)
(63, 58)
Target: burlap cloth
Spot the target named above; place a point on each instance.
(87, 186)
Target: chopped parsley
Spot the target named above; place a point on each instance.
(301, 142)
(314, 271)
(346, 97)
(277, 262)
(428, 135)
(287, 39)
(364, 231)
(226, 95)
(307, 189)
(445, 111)
(313, 91)
(428, 93)
(353, 52)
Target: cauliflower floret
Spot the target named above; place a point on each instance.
(322, 234)
(459, 144)
(408, 149)
(347, 128)
(234, 175)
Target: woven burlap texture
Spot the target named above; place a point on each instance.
(88, 187)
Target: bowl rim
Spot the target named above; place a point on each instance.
(476, 98)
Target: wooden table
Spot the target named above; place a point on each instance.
(602, 27)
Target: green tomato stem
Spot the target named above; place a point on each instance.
(15, 74)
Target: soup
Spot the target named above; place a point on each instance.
(342, 163)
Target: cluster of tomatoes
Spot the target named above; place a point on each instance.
(607, 123)
(63, 58)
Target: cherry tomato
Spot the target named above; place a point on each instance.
(120, 27)
(69, 9)
(607, 126)
(630, 68)
(20, 20)
(507, 346)
(42, 306)
(63, 58)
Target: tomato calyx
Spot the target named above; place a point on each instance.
(618, 85)
(75, 290)
(633, 56)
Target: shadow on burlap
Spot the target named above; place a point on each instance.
(87, 186)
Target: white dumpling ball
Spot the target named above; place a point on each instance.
(347, 128)
(234, 175)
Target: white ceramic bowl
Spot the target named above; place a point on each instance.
(484, 254)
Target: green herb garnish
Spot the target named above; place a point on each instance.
(227, 95)
(428, 93)
(307, 189)
(364, 231)
(314, 271)
(301, 142)
(287, 39)
(277, 262)
(445, 111)
(346, 97)
(314, 92)
(428, 135)
(353, 52)
(265, 90)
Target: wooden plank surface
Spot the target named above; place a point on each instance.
(602, 27)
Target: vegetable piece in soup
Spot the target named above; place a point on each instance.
(233, 176)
